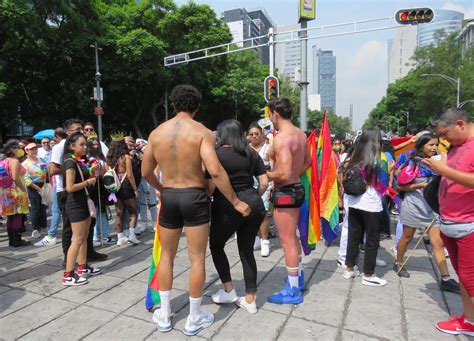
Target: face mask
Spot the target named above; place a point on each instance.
(19, 153)
(337, 148)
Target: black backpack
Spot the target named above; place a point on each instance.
(353, 182)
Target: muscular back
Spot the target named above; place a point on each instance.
(176, 149)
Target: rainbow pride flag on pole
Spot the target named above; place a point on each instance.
(327, 180)
(152, 292)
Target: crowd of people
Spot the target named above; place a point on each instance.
(235, 181)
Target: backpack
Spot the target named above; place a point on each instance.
(5, 178)
(353, 182)
(111, 181)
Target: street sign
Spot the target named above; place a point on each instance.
(99, 111)
(96, 97)
(307, 10)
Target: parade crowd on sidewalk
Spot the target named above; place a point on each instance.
(243, 183)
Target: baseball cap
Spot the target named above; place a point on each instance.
(31, 146)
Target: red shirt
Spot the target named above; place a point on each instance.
(456, 202)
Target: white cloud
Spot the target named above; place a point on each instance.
(453, 6)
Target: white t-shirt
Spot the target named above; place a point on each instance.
(370, 201)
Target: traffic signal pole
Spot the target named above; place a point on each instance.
(304, 74)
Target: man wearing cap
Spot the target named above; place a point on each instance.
(44, 152)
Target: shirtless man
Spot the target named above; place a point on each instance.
(291, 159)
(181, 147)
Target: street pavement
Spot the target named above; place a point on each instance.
(34, 305)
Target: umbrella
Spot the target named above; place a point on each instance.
(49, 133)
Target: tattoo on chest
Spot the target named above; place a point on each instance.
(174, 140)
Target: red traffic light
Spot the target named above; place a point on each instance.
(414, 16)
(272, 83)
(271, 90)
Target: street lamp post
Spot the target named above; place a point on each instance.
(99, 110)
(455, 82)
(465, 102)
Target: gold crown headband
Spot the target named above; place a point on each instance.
(117, 136)
(93, 136)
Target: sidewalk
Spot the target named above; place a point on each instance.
(34, 305)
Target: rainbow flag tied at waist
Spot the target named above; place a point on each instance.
(319, 213)
(152, 292)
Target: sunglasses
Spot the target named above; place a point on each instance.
(89, 129)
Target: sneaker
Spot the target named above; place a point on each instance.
(456, 326)
(47, 240)
(394, 250)
(450, 285)
(162, 320)
(384, 236)
(122, 241)
(73, 279)
(195, 325)
(250, 307)
(86, 271)
(257, 244)
(373, 281)
(287, 296)
(402, 272)
(133, 239)
(341, 264)
(225, 297)
(35, 234)
(351, 274)
(138, 232)
(141, 228)
(96, 243)
(265, 245)
(110, 240)
(380, 262)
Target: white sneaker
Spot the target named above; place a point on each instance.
(142, 227)
(122, 241)
(257, 245)
(133, 239)
(394, 250)
(341, 264)
(250, 307)
(35, 234)
(373, 281)
(195, 325)
(96, 243)
(265, 248)
(162, 320)
(380, 262)
(225, 297)
(351, 274)
(47, 240)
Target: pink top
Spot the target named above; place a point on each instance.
(456, 202)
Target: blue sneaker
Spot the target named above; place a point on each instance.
(287, 296)
(301, 284)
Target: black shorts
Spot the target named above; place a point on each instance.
(290, 196)
(126, 191)
(184, 207)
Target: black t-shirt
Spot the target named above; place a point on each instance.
(137, 169)
(78, 198)
(239, 168)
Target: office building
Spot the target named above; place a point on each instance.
(263, 21)
(446, 20)
(288, 55)
(324, 77)
(400, 51)
(467, 36)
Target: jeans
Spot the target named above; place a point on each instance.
(147, 198)
(38, 210)
(55, 217)
(359, 222)
(105, 225)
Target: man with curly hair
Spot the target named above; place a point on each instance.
(181, 147)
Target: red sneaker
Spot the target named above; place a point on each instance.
(456, 326)
(73, 279)
(86, 271)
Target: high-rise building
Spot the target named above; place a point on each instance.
(324, 77)
(245, 25)
(263, 21)
(467, 36)
(288, 55)
(400, 51)
(449, 21)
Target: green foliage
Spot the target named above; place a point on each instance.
(339, 126)
(423, 97)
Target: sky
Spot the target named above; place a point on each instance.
(361, 66)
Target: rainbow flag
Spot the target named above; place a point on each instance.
(395, 142)
(327, 181)
(309, 220)
(152, 292)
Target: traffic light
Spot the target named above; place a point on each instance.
(271, 88)
(413, 16)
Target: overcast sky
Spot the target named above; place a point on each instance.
(361, 75)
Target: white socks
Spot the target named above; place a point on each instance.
(194, 307)
(131, 231)
(165, 298)
(119, 235)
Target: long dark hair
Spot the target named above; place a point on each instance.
(92, 152)
(417, 153)
(232, 133)
(117, 149)
(366, 154)
(67, 145)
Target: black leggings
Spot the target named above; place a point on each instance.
(359, 222)
(225, 220)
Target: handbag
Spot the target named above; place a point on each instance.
(430, 193)
(47, 194)
(90, 203)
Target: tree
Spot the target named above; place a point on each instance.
(339, 126)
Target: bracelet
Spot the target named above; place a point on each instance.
(87, 183)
